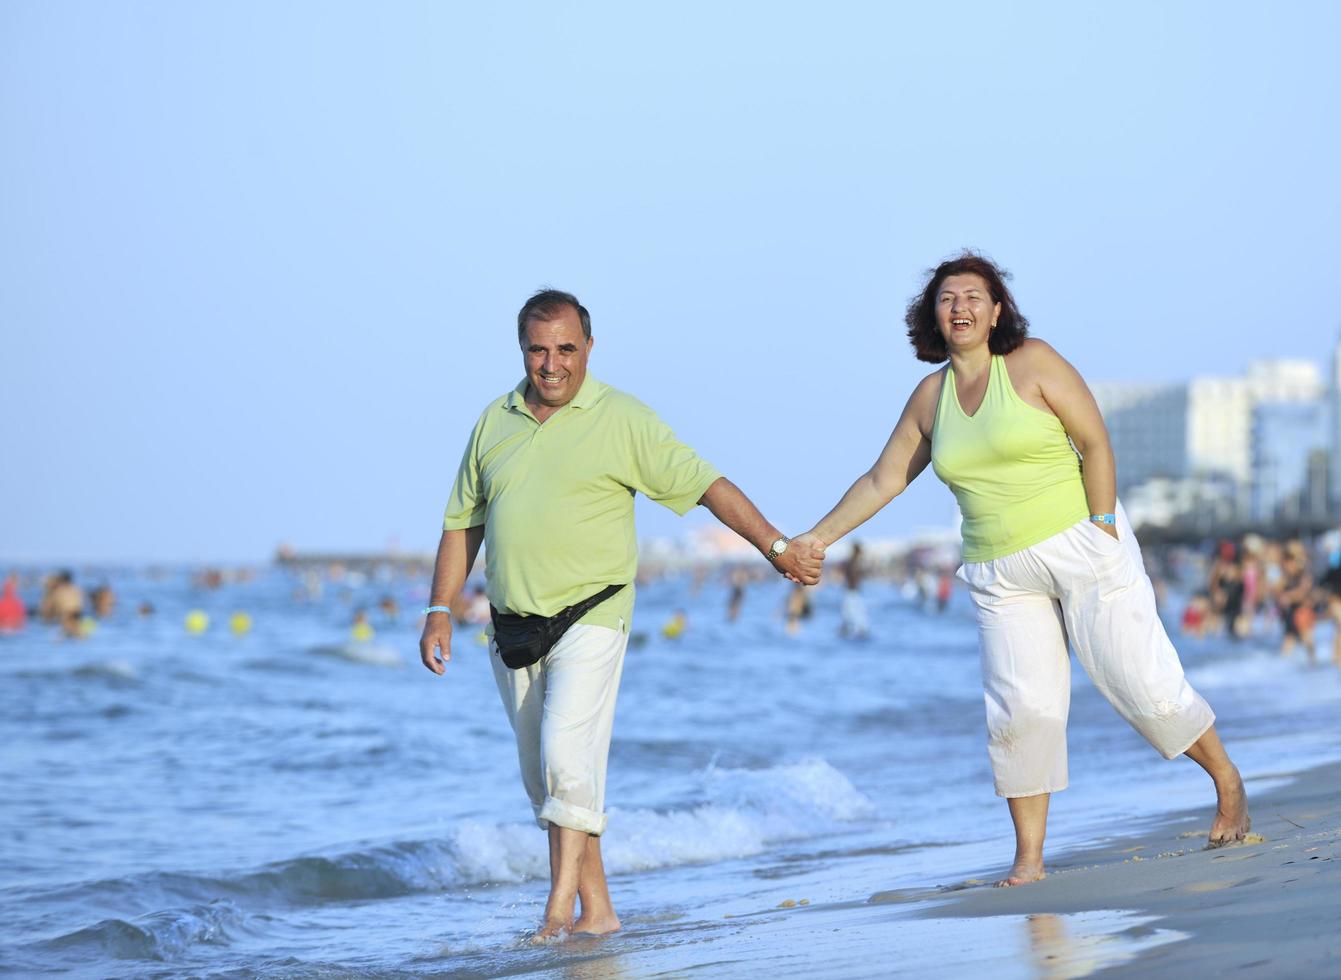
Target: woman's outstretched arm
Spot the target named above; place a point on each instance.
(905, 455)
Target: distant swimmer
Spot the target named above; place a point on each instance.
(474, 609)
(739, 579)
(945, 584)
(1048, 552)
(797, 608)
(1329, 587)
(77, 626)
(854, 623)
(361, 631)
(60, 598)
(13, 615)
(1295, 601)
(548, 480)
(103, 600)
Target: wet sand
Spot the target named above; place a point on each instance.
(1270, 907)
(1152, 903)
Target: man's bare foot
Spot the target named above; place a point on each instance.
(596, 925)
(1023, 872)
(551, 930)
(1231, 822)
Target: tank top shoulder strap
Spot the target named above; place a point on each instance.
(998, 384)
(942, 401)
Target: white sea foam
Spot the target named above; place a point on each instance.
(745, 811)
(116, 670)
(375, 655)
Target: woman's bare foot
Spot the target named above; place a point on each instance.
(1023, 872)
(551, 930)
(1232, 821)
(596, 925)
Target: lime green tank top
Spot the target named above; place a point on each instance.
(1010, 465)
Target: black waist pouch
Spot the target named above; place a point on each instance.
(522, 640)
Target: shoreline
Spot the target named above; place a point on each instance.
(1265, 908)
(1152, 902)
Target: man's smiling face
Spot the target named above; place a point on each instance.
(555, 353)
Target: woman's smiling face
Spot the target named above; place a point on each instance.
(965, 312)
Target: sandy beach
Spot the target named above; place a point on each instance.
(1270, 907)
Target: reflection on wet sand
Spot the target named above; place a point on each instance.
(1061, 951)
(608, 967)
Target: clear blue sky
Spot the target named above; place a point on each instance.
(259, 262)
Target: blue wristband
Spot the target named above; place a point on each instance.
(433, 609)
(1103, 518)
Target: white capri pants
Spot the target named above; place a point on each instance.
(1083, 584)
(562, 710)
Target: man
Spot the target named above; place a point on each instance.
(855, 623)
(547, 484)
(62, 600)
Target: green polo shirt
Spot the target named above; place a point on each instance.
(556, 500)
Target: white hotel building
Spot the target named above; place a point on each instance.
(1186, 450)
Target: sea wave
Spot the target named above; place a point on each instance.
(745, 811)
(113, 673)
(161, 935)
(749, 810)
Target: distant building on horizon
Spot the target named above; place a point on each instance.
(1288, 438)
(1218, 450)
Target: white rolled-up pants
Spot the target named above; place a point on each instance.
(562, 710)
(1081, 584)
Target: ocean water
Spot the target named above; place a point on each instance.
(292, 803)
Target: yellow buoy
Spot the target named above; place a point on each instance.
(240, 624)
(197, 621)
(675, 626)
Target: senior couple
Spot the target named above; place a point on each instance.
(547, 483)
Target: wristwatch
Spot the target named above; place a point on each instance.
(777, 548)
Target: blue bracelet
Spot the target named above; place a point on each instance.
(1103, 518)
(433, 609)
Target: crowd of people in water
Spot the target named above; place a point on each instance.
(74, 612)
(1257, 587)
(1254, 588)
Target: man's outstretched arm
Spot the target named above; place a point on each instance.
(730, 506)
(456, 557)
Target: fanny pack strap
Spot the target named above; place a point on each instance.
(569, 614)
(579, 609)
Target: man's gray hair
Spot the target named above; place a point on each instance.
(548, 304)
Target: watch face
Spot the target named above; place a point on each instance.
(779, 546)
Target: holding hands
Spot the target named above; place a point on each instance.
(800, 561)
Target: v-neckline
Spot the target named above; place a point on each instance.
(954, 390)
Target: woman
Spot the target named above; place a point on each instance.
(1047, 552)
